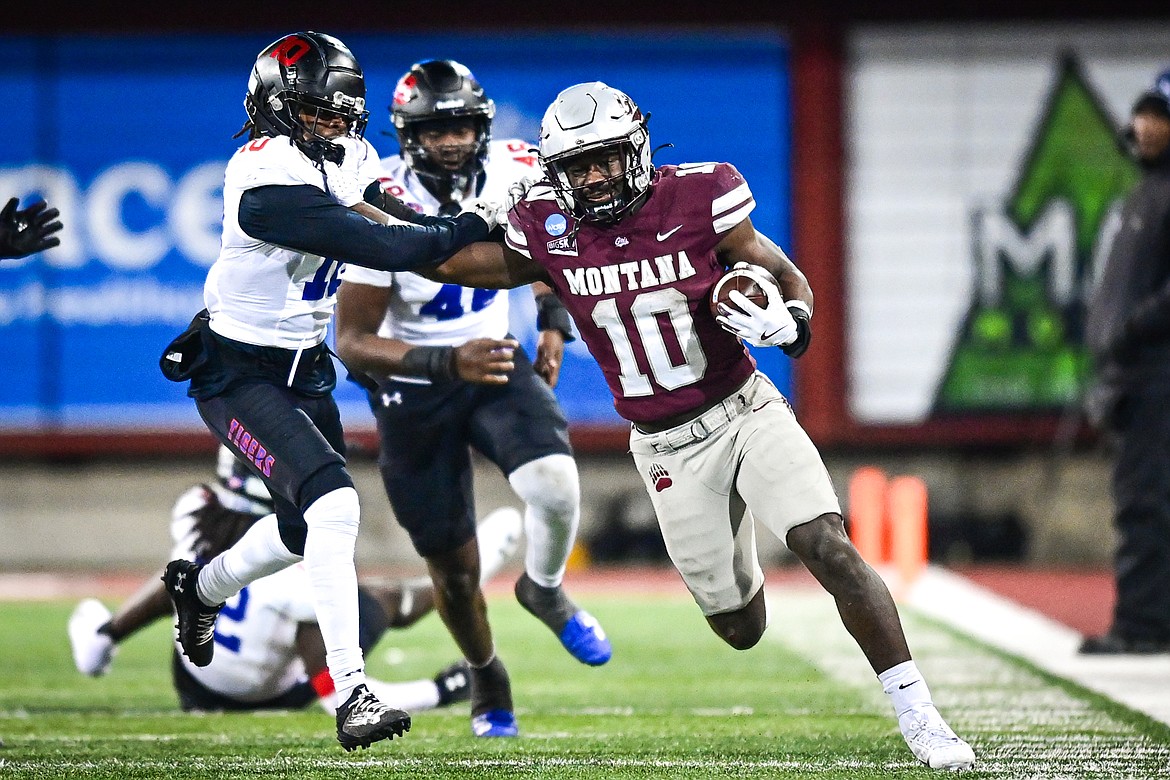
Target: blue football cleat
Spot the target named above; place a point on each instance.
(495, 723)
(585, 639)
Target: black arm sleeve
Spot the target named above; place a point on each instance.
(304, 218)
(379, 198)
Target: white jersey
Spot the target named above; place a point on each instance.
(428, 313)
(255, 634)
(264, 294)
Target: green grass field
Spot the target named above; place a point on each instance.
(673, 703)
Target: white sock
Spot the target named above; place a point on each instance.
(258, 553)
(906, 688)
(551, 489)
(329, 551)
(410, 696)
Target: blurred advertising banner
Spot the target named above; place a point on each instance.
(128, 137)
(983, 189)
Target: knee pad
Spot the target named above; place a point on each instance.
(550, 483)
(338, 510)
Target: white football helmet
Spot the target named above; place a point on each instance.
(238, 488)
(586, 118)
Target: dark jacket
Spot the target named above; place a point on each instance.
(1127, 328)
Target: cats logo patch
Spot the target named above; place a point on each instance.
(660, 478)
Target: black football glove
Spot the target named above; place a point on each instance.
(27, 231)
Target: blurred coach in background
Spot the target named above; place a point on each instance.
(1128, 332)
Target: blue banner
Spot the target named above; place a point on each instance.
(128, 137)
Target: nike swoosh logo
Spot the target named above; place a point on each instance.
(669, 233)
(766, 336)
(906, 685)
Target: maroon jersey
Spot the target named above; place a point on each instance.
(638, 289)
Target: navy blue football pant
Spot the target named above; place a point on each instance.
(294, 442)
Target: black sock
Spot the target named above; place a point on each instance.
(490, 688)
(550, 605)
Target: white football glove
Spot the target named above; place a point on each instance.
(342, 180)
(489, 211)
(773, 326)
(517, 191)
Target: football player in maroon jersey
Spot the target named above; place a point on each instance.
(633, 251)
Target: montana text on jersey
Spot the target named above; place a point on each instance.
(658, 264)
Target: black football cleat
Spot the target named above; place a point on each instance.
(454, 683)
(364, 720)
(196, 622)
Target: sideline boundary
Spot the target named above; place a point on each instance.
(1141, 683)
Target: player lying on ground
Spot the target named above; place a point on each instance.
(271, 652)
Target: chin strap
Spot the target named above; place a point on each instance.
(321, 151)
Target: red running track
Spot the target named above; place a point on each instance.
(1081, 600)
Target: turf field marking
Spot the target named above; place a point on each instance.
(1138, 682)
(1020, 724)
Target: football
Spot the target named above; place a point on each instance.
(741, 280)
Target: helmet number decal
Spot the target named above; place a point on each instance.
(290, 50)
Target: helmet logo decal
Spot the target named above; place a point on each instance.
(290, 50)
(556, 224)
(405, 89)
(456, 103)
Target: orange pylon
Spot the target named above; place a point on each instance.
(908, 527)
(867, 513)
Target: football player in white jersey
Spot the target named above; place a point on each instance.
(257, 362)
(271, 654)
(446, 376)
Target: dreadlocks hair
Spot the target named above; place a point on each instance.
(216, 527)
(250, 129)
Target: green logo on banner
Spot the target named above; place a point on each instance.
(1021, 345)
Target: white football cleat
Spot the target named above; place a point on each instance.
(934, 743)
(92, 652)
(499, 538)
